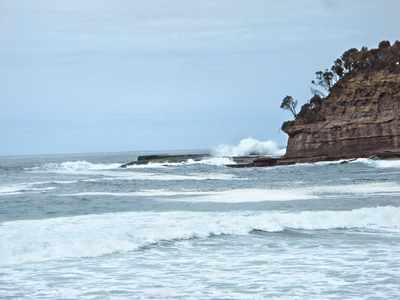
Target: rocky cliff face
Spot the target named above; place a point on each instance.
(360, 117)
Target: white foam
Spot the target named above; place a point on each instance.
(212, 161)
(74, 166)
(113, 172)
(260, 195)
(249, 146)
(20, 188)
(145, 193)
(115, 175)
(214, 176)
(215, 161)
(230, 196)
(10, 190)
(291, 194)
(381, 164)
(252, 195)
(362, 188)
(95, 235)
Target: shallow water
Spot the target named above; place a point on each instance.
(78, 227)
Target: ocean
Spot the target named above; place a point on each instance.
(79, 227)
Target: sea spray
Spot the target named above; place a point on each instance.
(249, 146)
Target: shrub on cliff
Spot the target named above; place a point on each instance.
(386, 57)
(290, 104)
(325, 80)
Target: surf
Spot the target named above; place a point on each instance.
(98, 235)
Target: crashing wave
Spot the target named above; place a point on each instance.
(381, 164)
(211, 161)
(96, 235)
(249, 146)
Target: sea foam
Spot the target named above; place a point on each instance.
(381, 164)
(106, 172)
(74, 166)
(247, 195)
(249, 146)
(211, 161)
(96, 235)
(22, 188)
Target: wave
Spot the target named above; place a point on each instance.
(22, 188)
(144, 193)
(74, 166)
(230, 196)
(112, 176)
(114, 172)
(249, 146)
(97, 235)
(381, 164)
(211, 161)
(259, 195)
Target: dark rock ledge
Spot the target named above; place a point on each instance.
(166, 158)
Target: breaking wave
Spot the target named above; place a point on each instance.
(109, 172)
(249, 146)
(74, 166)
(381, 164)
(211, 161)
(21, 188)
(112, 176)
(259, 195)
(96, 235)
(145, 193)
(229, 196)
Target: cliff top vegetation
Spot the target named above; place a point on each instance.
(353, 61)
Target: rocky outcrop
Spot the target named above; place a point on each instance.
(359, 118)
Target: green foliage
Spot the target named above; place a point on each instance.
(384, 45)
(349, 59)
(325, 80)
(338, 68)
(290, 104)
(385, 57)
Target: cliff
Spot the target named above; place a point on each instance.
(359, 117)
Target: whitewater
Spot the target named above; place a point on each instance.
(80, 227)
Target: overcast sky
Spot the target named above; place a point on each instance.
(100, 75)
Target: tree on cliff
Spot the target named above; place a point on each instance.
(350, 59)
(353, 61)
(384, 45)
(338, 68)
(324, 80)
(290, 104)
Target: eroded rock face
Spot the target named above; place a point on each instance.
(360, 118)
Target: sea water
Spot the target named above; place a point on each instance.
(79, 227)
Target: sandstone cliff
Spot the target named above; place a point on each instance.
(359, 117)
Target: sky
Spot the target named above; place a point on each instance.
(124, 75)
